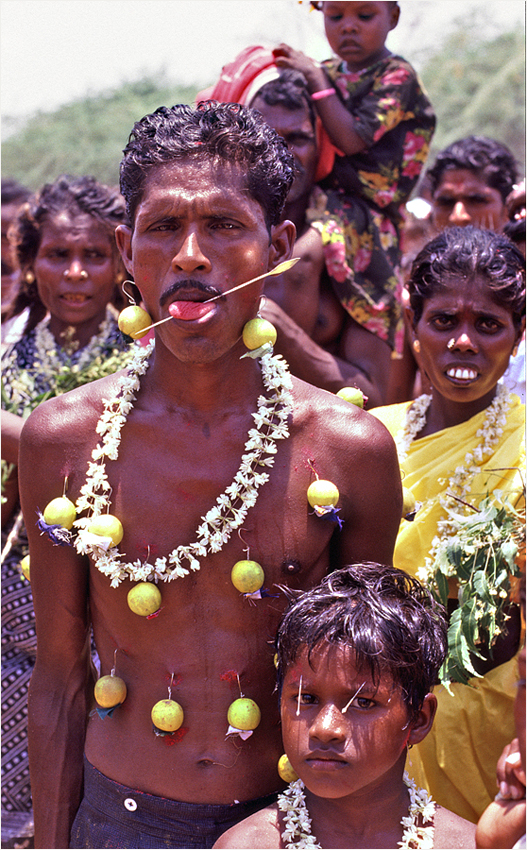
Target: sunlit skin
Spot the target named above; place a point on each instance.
(357, 31)
(463, 373)
(75, 269)
(197, 232)
(463, 197)
(193, 238)
(346, 737)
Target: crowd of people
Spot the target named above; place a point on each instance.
(237, 609)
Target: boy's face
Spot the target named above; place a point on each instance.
(357, 32)
(342, 734)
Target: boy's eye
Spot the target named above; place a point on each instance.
(307, 699)
(363, 702)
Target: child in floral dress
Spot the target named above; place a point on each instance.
(357, 657)
(377, 114)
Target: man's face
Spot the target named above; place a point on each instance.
(463, 197)
(198, 233)
(295, 127)
(9, 261)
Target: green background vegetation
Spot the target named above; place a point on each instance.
(476, 87)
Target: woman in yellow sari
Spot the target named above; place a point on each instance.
(458, 445)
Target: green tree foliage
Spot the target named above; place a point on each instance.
(86, 136)
(479, 88)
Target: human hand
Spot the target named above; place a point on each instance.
(510, 774)
(287, 57)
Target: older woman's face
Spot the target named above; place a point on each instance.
(466, 339)
(75, 268)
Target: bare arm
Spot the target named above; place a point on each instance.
(61, 684)
(338, 122)
(313, 364)
(374, 505)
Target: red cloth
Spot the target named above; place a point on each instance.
(238, 83)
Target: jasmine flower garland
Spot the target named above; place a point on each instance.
(297, 834)
(231, 507)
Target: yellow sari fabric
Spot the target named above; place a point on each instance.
(457, 760)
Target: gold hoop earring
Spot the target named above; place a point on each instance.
(416, 345)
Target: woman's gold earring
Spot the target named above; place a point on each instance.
(515, 350)
(29, 276)
(416, 345)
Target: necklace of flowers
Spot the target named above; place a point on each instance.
(231, 506)
(19, 387)
(297, 833)
(49, 353)
(459, 483)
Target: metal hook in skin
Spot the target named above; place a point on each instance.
(131, 298)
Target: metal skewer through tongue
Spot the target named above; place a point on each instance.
(282, 267)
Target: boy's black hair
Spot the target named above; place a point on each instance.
(389, 620)
(470, 252)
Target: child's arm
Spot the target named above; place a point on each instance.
(338, 122)
(501, 824)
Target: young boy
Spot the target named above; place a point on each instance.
(357, 657)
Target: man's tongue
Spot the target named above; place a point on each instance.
(188, 310)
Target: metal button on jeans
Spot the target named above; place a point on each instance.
(130, 804)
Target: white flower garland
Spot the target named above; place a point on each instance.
(415, 420)
(459, 483)
(297, 834)
(20, 385)
(48, 349)
(231, 507)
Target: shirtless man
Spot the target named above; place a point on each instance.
(204, 191)
(318, 338)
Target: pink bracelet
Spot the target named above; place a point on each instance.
(318, 95)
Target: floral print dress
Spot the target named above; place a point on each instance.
(358, 212)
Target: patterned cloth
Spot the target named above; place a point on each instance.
(22, 373)
(456, 762)
(359, 215)
(113, 815)
(19, 646)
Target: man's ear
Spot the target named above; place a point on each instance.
(520, 332)
(421, 725)
(283, 237)
(409, 322)
(123, 237)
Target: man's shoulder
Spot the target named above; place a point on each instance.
(453, 831)
(338, 419)
(76, 410)
(260, 830)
